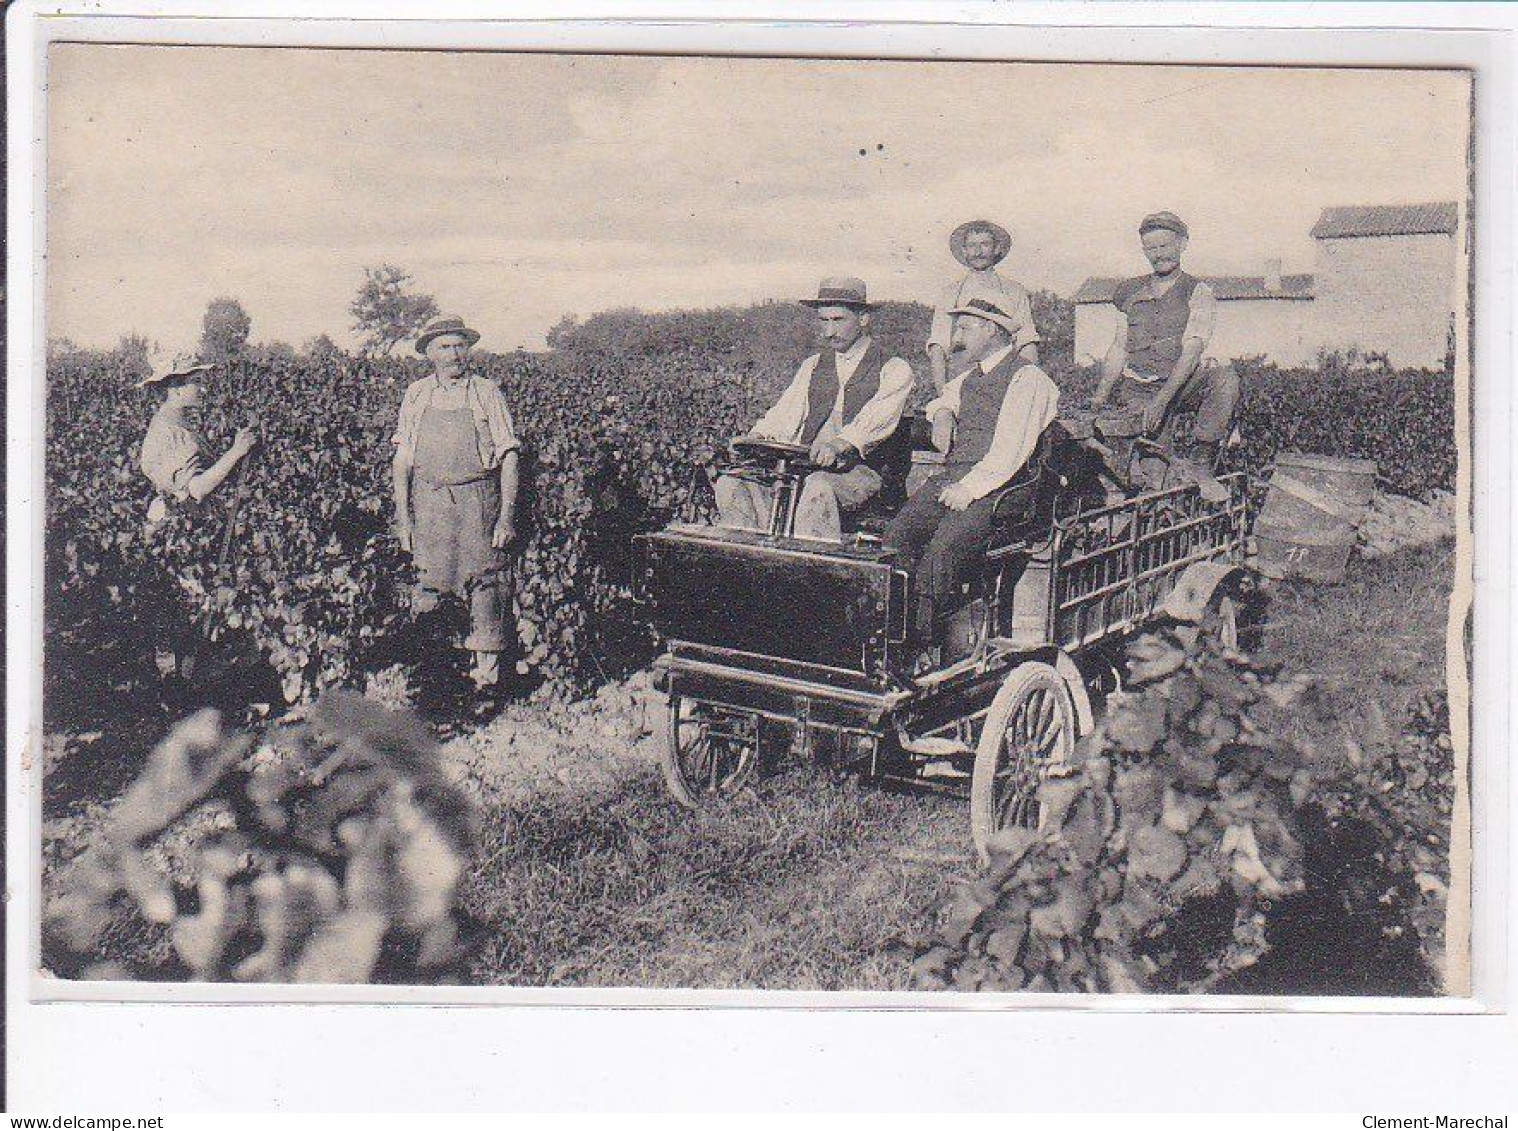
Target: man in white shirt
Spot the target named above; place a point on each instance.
(980, 245)
(844, 402)
(1157, 361)
(987, 422)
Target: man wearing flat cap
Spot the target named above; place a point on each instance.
(988, 422)
(842, 404)
(980, 245)
(455, 478)
(1164, 322)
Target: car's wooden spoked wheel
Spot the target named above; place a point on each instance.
(1030, 728)
(710, 753)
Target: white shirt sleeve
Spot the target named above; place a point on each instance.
(784, 421)
(942, 328)
(1030, 406)
(882, 413)
(1201, 315)
(1020, 306)
(948, 399)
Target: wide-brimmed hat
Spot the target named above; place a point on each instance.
(841, 290)
(1163, 221)
(958, 236)
(985, 308)
(440, 326)
(167, 365)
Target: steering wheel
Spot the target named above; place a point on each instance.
(774, 453)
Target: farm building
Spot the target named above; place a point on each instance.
(1384, 282)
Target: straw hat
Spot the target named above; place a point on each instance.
(167, 365)
(440, 326)
(984, 308)
(958, 236)
(841, 290)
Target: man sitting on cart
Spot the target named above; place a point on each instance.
(843, 403)
(988, 422)
(1156, 362)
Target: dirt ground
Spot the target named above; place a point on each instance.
(588, 874)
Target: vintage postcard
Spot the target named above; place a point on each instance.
(651, 522)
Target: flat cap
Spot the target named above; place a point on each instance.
(1163, 222)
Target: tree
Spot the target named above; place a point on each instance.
(321, 348)
(61, 347)
(561, 335)
(273, 353)
(224, 330)
(384, 313)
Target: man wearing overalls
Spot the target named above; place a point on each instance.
(1164, 322)
(455, 477)
(843, 403)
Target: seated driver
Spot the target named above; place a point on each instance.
(843, 403)
(987, 421)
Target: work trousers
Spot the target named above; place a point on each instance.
(1212, 392)
(825, 497)
(936, 544)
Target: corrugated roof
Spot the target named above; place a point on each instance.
(1226, 288)
(1387, 220)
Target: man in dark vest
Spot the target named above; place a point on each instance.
(843, 403)
(1156, 362)
(988, 422)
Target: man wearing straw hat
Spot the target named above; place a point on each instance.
(172, 455)
(1156, 363)
(842, 404)
(980, 245)
(988, 422)
(455, 481)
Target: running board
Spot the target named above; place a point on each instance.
(935, 746)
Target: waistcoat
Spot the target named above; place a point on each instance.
(1155, 326)
(822, 390)
(980, 401)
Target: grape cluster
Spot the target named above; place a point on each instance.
(330, 851)
(1155, 862)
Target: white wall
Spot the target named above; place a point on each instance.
(1281, 329)
(1278, 328)
(1388, 294)
(1095, 325)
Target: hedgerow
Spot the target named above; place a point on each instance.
(620, 426)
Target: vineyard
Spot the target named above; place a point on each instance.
(620, 423)
(616, 441)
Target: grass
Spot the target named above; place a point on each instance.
(797, 886)
(1376, 640)
(810, 881)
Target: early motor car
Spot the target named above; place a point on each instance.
(769, 634)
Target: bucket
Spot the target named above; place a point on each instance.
(1311, 514)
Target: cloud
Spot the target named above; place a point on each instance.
(518, 187)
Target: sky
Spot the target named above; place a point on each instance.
(517, 188)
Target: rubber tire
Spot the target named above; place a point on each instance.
(674, 778)
(1024, 681)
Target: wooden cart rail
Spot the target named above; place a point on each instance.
(1114, 566)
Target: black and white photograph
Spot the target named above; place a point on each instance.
(676, 522)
